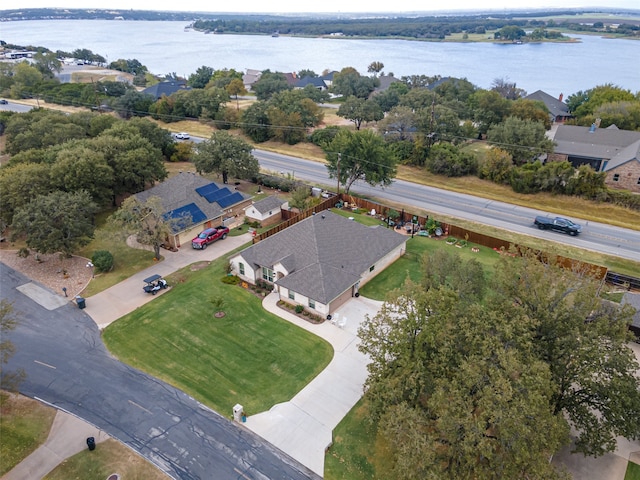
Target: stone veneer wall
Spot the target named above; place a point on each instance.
(629, 177)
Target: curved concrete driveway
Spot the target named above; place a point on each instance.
(303, 426)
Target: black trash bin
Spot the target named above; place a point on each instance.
(81, 302)
(91, 443)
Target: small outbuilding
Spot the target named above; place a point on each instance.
(266, 211)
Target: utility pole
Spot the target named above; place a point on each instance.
(431, 122)
(338, 174)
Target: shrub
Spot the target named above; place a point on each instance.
(217, 303)
(449, 160)
(323, 136)
(230, 280)
(431, 226)
(299, 308)
(102, 261)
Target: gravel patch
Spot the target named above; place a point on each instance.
(52, 271)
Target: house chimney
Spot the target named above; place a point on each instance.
(560, 97)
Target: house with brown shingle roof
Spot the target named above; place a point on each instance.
(611, 150)
(321, 261)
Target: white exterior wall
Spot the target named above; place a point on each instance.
(320, 309)
(251, 212)
(383, 263)
(249, 273)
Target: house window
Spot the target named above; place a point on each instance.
(292, 295)
(267, 274)
(638, 180)
(312, 304)
(241, 268)
(372, 268)
(616, 177)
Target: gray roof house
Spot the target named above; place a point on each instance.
(321, 261)
(385, 82)
(251, 77)
(611, 150)
(558, 110)
(316, 82)
(201, 202)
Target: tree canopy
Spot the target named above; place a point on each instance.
(525, 139)
(488, 383)
(147, 221)
(359, 110)
(359, 155)
(227, 155)
(59, 222)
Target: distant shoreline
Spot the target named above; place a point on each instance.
(409, 39)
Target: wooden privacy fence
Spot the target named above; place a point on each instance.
(291, 218)
(498, 244)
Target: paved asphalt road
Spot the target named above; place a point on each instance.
(68, 366)
(11, 106)
(596, 236)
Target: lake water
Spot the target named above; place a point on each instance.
(164, 47)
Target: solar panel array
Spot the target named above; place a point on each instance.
(222, 196)
(188, 212)
(206, 189)
(230, 199)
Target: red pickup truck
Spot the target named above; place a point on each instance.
(208, 236)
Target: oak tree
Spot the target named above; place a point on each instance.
(59, 222)
(359, 155)
(226, 155)
(147, 220)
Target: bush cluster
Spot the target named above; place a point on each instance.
(231, 280)
(102, 261)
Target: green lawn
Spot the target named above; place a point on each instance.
(408, 266)
(24, 426)
(109, 457)
(354, 453)
(249, 356)
(126, 260)
(633, 471)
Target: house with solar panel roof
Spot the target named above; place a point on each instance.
(196, 203)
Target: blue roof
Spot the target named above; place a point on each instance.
(230, 199)
(189, 214)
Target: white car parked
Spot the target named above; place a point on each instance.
(182, 136)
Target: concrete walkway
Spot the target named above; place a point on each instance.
(303, 426)
(67, 437)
